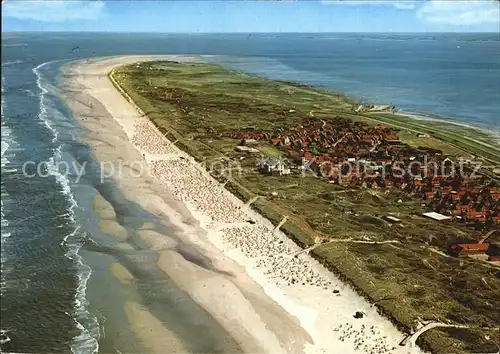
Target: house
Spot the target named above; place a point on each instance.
(464, 208)
(436, 216)
(276, 141)
(240, 148)
(467, 249)
(308, 155)
(274, 167)
(392, 219)
(249, 142)
(392, 140)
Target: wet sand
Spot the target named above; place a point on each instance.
(245, 276)
(152, 332)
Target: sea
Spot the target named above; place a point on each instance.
(54, 296)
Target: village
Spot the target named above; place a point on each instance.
(355, 154)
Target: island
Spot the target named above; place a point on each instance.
(406, 211)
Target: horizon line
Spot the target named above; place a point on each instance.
(258, 32)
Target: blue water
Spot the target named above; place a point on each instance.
(44, 277)
(456, 77)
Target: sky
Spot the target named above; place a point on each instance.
(251, 16)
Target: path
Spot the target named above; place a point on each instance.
(411, 339)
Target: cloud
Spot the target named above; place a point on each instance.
(53, 10)
(460, 12)
(401, 5)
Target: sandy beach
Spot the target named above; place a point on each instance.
(260, 288)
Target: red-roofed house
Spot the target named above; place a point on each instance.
(467, 249)
(276, 141)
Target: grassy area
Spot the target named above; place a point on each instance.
(468, 140)
(198, 105)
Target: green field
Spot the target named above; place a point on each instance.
(199, 105)
(468, 140)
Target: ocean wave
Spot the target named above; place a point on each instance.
(4, 338)
(63, 180)
(8, 148)
(30, 93)
(4, 223)
(87, 340)
(12, 62)
(15, 45)
(5, 144)
(43, 111)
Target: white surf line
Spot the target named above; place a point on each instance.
(80, 302)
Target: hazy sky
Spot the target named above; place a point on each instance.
(252, 16)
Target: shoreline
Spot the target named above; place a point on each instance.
(154, 199)
(495, 134)
(313, 307)
(356, 101)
